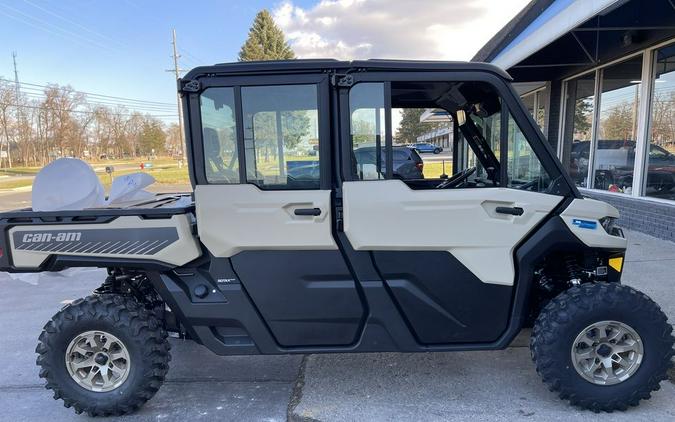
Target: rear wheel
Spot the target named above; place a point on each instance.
(437, 151)
(103, 355)
(603, 347)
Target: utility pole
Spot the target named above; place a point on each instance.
(177, 70)
(16, 77)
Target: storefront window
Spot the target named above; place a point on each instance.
(578, 127)
(661, 155)
(617, 126)
(536, 103)
(541, 104)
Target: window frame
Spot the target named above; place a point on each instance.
(196, 146)
(511, 105)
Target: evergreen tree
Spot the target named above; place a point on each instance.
(265, 41)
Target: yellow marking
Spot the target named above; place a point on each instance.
(616, 263)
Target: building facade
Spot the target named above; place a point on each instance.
(598, 76)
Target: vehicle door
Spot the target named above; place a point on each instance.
(446, 252)
(263, 201)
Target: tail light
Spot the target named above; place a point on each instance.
(420, 165)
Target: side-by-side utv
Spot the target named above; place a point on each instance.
(315, 227)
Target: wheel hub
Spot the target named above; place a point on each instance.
(98, 361)
(604, 350)
(101, 359)
(607, 352)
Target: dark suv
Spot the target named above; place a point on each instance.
(660, 173)
(407, 163)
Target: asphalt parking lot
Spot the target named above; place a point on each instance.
(499, 385)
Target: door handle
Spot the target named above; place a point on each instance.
(307, 211)
(510, 210)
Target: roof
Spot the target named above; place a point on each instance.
(511, 30)
(331, 65)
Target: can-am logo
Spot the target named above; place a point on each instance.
(51, 237)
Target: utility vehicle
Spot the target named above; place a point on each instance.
(268, 259)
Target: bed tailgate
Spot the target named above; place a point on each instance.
(101, 241)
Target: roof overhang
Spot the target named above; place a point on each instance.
(554, 39)
(558, 19)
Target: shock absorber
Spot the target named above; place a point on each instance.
(573, 270)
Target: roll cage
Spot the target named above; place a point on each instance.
(334, 80)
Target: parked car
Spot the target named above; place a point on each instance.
(408, 165)
(660, 173)
(426, 147)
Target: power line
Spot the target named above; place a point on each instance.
(93, 94)
(70, 21)
(80, 111)
(43, 25)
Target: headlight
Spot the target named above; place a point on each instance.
(609, 224)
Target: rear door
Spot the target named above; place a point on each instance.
(263, 203)
(446, 255)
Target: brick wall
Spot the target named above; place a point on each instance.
(653, 218)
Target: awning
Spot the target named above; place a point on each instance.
(558, 19)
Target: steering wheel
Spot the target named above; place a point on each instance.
(456, 179)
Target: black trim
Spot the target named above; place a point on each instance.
(304, 66)
(388, 136)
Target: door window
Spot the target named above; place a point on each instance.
(219, 135)
(281, 136)
(524, 169)
(366, 110)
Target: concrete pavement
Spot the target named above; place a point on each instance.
(497, 385)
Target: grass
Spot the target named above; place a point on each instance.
(434, 169)
(167, 172)
(164, 170)
(15, 184)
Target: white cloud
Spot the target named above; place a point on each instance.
(402, 29)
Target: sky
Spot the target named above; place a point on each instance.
(122, 48)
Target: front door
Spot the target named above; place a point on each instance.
(442, 234)
(264, 205)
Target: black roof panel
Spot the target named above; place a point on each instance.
(327, 65)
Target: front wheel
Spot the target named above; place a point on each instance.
(437, 151)
(104, 355)
(601, 346)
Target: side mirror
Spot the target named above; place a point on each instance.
(461, 117)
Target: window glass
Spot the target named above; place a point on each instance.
(421, 142)
(219, 135)
(661, 164)
(422, 126)
(366, 108)
(490, 128)
(524, 169)
(529, 102)
(540, 112)
(578, 127)
(281, 136)
(617, 126)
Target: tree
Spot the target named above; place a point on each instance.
(618, 124)
(265, 41)
(410, 127)
(583, 115)
(153, 138)
(7, 102)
